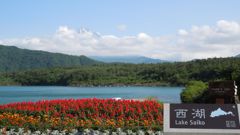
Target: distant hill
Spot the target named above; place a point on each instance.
(126, 59)
(14, 59)
(238, 55)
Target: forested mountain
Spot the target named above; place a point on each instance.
(178, 73)
(15, 59)
(126, 59)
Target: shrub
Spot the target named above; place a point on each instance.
(193, 91)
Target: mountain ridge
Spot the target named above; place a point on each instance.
(13, 58)
(127, 59)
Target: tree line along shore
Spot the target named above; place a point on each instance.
(164, 74)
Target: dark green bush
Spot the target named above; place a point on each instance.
(193, 91)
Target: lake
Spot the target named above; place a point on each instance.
(10, 94)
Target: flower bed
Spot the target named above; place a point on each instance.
(68, 114)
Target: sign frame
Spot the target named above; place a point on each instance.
(181, 131)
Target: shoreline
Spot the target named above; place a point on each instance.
(110, 85)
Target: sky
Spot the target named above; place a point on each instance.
(177, 30)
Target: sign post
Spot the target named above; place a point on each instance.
(222, 92)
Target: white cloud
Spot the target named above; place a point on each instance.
(122, 27)
(220, 40)
(182, 32)
(228, 27)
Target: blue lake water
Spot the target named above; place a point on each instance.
(10, 94)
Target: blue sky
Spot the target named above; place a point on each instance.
(157, 18)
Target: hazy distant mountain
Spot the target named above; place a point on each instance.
(14, 59)
(126, 59)
(238, 55)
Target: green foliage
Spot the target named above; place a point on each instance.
(15, 59)
(89, 74)
(5, 80)
(193, 91)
